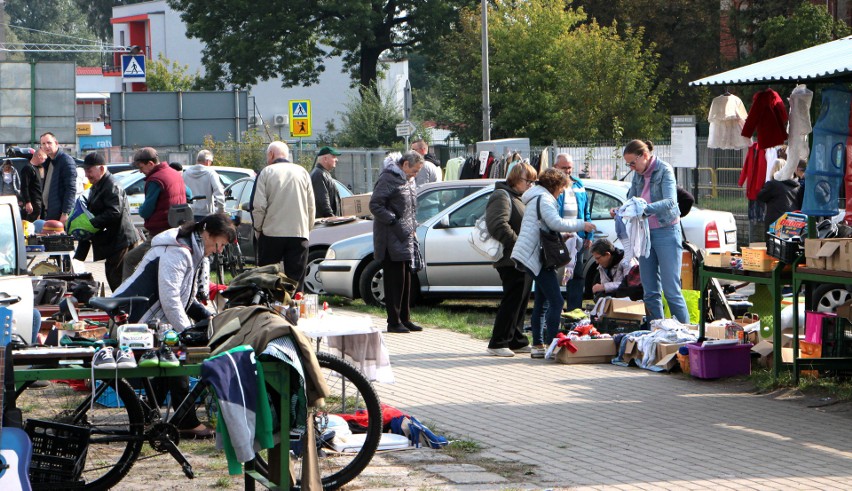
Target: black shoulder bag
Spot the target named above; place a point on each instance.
(554, 252)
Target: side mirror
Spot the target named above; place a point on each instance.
(245, 206)
(445, 222)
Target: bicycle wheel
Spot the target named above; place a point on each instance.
(115, 425)
(350, 392)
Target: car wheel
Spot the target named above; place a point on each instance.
(372, 284)
(826, 298)
(313, 283)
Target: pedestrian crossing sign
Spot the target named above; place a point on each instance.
(133, 68)
(300, 118)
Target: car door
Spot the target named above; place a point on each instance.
(600, 204)
(451, 263)
(14, 282)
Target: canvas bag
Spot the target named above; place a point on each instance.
(554, 252)
(482, 242)
(79, 223)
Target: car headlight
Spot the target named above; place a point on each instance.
(329, 254)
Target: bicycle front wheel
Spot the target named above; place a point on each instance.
(350, 394)
(115, 426)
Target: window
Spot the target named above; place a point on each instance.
(245, 197)
(601, 204)
(137, 187)
(8, 244)
(467, 215)
(430, 203)
(232, 195)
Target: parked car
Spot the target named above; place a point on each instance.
(134, 185)
(454, 270)
(16, 288)
(431, 198)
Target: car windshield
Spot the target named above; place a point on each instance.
(126, 177)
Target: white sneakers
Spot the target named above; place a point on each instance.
(505, 352)
(124, 358)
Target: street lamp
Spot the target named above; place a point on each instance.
(486, 98)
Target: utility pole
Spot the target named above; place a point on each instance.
(486, 96)
(2, 28)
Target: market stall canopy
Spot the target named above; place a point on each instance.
(826, 62)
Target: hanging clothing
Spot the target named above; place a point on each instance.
(544, 161)
(453, 169)
(768, 116)
(753, 172)
(727, 117)
(470, 169)
(771, 156)
(799, 128)
(632, 229)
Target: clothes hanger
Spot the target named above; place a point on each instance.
(726, 91)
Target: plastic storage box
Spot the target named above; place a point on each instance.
(717, 361)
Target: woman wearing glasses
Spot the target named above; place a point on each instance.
(654, 181)
(503, 216)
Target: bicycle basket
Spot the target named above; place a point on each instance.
(59, 452)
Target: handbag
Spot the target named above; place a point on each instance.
(482, 241)
(554, 252)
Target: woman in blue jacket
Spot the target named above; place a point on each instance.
(654, 181)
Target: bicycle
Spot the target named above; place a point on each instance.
(117, 424)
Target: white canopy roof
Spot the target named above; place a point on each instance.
(827, 62)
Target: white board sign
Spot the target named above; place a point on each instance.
(684, 152)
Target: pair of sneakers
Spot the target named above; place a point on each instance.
(110, 358)
(163, 357)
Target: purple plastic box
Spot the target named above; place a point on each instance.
(724, 360)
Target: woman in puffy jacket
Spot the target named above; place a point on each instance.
(541, 213)
(394, 208)
(503, 216)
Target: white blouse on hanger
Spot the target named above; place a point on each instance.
(799, 128)
(727, 118)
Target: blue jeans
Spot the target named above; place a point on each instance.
(547, 306)
(662, 268)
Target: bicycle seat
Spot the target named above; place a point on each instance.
(115, 304)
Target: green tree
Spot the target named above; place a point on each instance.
(165, 75)
(553, 75)
(370, 120)
(55, 22)
(808, 25)
(259, 40)
(685, 34)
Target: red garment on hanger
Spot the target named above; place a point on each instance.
(754, 171)
(768, 116)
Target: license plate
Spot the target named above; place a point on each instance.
(134, 209)
(731, 237)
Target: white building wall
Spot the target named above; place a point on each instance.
(167, 35)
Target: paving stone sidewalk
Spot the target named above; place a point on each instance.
(608, 427)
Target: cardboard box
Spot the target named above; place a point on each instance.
(686, 272)
(667, 354)
(719, 330)
(830, 254)
(624, 309)
(588, 351)
(357, 205)
(787, 346)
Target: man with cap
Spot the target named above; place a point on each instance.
(115, 231)
(325, 191)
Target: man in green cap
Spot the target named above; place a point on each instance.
(325, 192)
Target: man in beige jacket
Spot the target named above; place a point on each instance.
(283, 212)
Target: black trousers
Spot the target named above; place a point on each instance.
(293, 251)
(397, 278)
(508, 330)
(113, 267)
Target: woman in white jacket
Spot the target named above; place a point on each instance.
(527, 253)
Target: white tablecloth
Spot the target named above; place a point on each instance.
(354, 338)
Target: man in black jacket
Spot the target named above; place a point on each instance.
(325, 192)
(116, 234)
(31, 202)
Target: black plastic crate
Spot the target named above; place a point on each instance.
(836, 338)
(613, 326)
(785, 250)
(59, 453)
(58, 243)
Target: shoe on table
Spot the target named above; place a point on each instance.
(412, 326)
(537, 351)
(124, 358)
(149, 358)
(200, 432)
(399, 328)
(168, 358)
(522, 349)
(104, 359)
(504, 352)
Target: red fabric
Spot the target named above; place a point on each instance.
(768, 116)
(754, 171)
(565, 342)
(361, 418)
(215, 288)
